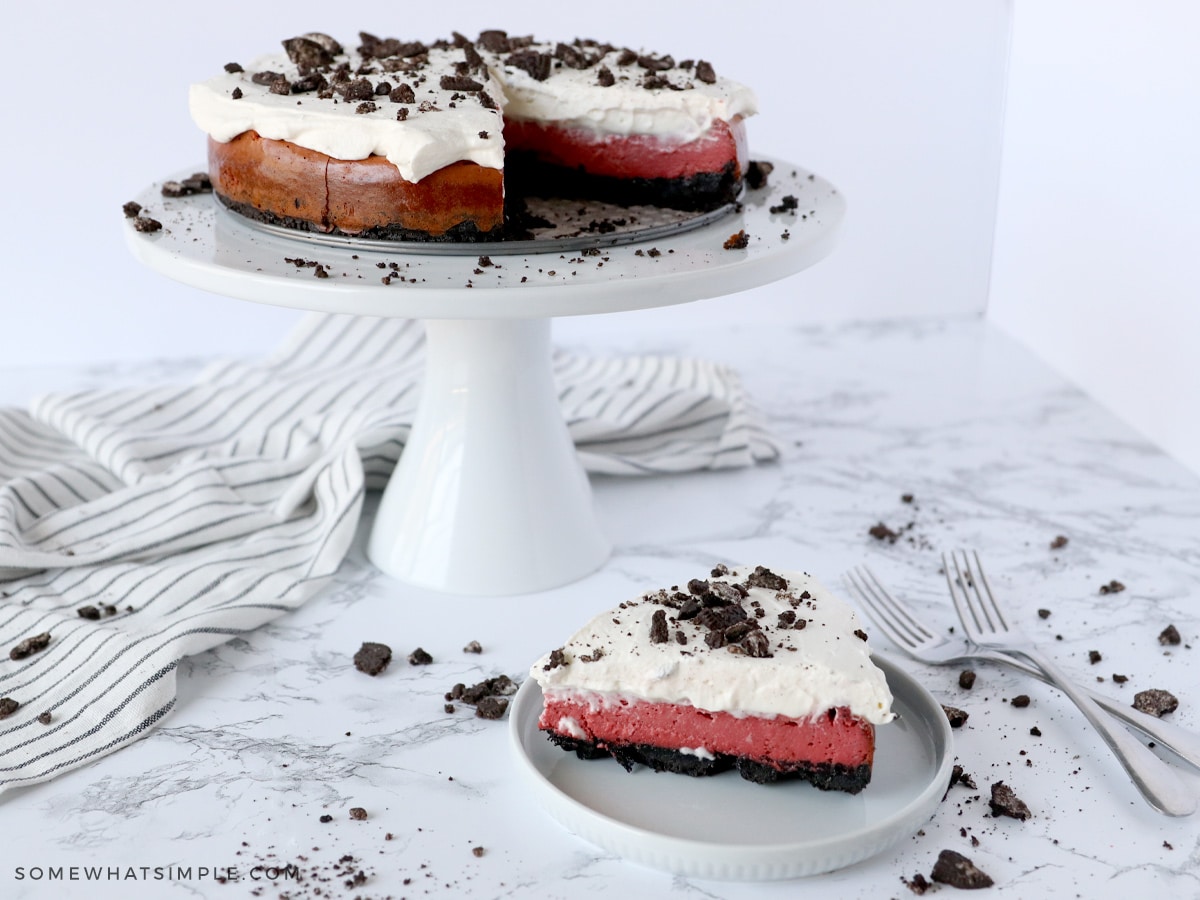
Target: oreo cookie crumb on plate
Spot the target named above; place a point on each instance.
(1006, 803)
(1155, 702)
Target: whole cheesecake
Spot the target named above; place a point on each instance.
(767, 673)
(407, 140)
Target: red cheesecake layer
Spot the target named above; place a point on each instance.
(834, 750)
(549, 160)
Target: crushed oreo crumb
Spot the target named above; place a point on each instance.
(966, 679)
(30, 646)
(738, 241)
(45, 718)
(1113, 587)
(1094, 656)
(131, 209)
(757, 172)
(491, 707)
(1020, 701)
(146, 225)
(358, 813)
(325, 819)
(959, 776)
(88, 612)
(1155, 702)
(419, 658)
(658, 627)
(236, 93)
(1059, 542)
(8, 706)
(705, 73)
(1170, 636)
(1043, 613)
(881, 532)
(372, 657)
(477, 851)
(233, 68)
(473, 647)
(956, 870)
(957, 717)
(1005, 803)
(557, 658)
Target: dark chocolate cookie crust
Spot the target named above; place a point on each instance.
(526, 174)
(464, 232)
(827, 777)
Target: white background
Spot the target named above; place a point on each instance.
(1078, 242)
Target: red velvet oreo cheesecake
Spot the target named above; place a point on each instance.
(407, 140)
(767, 673)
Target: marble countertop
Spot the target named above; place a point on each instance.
(274, 731)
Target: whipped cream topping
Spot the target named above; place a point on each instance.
(441, 126)
(575, 97)
(633, 652)
(581, 85)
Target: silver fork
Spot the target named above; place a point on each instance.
(904, 628)
(985, 624)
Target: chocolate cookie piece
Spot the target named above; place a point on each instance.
(473, 647)
(8, 706)
(372, 657)
(1020, 701)
(957, 871)
(419, 658)
(1005, 803)
(966, 679)
(1170, 636)
(358, 813)
(30, 646)
(491, 707)
(957, 717)
(1155, 702)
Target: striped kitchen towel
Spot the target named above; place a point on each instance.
(139, 526)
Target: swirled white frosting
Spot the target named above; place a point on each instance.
(822, 666)
(445, 126)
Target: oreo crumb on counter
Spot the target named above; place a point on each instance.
(478, 851)
(1094, 656)
(738, 241)
(1120, 679)
(491, 707)
(448, 707)
(30, 646)
(1005, 803)
(372, 657)
(358, 813)
(473, 647)
(957, 717)
(45, 718)
(966, 679)
(1020, 701)
(958, 775)
(326, 818)
(146, 225)
(419, 658)
(1170, 636)
(1035, 731)
(1113, 587)
(957, 871)
(1155, 702)
(881, 532)
(131, 209)
(1059, 542)
(88, 612)
(8, 706)
(1043, 613)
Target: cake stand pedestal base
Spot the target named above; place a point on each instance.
(489, 496)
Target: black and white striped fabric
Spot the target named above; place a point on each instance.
(140, 526)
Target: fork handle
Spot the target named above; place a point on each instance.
(1183, 743)
(1157, 781)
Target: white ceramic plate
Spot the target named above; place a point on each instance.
(723, 827)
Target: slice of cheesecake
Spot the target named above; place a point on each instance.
(765, 672)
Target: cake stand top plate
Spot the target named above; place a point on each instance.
(206, 246)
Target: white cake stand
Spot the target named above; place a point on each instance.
(489, 497)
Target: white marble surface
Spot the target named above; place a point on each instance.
(277, 729)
